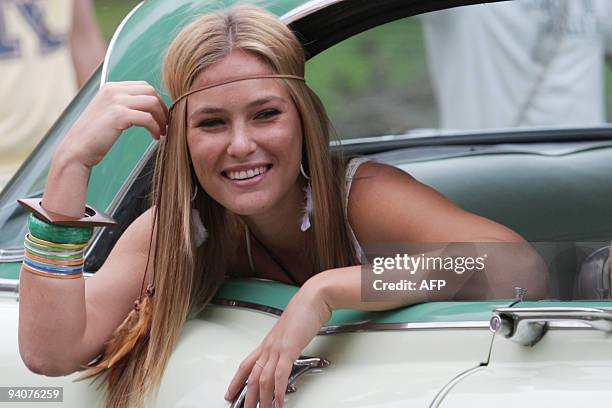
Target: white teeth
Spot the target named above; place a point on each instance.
(241, 175)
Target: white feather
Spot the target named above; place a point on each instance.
(307, 208)
(200, 233)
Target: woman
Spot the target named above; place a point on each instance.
(245, 186)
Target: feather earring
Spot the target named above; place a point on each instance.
(199, 231)
(308, 199)
(135, 326)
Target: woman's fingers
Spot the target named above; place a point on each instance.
(144, 119)
(150, 104)
(244, 369)
(252, 396)
(266, 383)
(281, 378)
(138, 88)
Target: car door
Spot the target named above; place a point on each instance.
(556, 353)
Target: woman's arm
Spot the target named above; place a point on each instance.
(387, 205)
(63, 323)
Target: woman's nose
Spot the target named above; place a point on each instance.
(240, 144)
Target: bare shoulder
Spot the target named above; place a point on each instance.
(386, 204)
(375, 185)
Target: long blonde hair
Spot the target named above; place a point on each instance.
(186, 277)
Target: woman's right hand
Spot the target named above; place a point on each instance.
(117, 107)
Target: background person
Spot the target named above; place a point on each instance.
(519, 63)
(48, 48)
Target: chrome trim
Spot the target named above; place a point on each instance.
(9, 285)
(248, 305)
(306, 9)
(358, 326)
(368, 327)
(448, 387)
(11, 255)
(111, 44)
(527, 325)
(301, 366)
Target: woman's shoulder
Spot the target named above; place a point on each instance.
(378, 195)
(367, 176)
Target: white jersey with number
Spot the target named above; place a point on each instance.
(37, 78)
(519, 63)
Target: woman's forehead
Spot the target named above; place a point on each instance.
(238, 63)
(242, 93)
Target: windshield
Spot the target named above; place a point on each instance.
(31, 178)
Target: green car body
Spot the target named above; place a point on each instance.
(432, 354)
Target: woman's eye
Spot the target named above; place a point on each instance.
(209, 123)
(267, 114)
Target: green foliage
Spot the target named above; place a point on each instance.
(110, 13)
(376, 82)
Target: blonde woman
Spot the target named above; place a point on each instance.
(244, 186)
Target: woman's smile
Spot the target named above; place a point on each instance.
(247, 175)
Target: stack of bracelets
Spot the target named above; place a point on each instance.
(55, 245)
(55, 251)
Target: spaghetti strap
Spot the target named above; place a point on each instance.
(351, 169)
(249, 248)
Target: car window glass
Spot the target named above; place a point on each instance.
(521, 64)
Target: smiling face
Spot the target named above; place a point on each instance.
(244, 138)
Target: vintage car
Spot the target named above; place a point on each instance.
(551, 184)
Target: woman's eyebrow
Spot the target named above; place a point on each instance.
(264, 100)
(257, 102)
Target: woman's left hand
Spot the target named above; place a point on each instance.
(268, 367)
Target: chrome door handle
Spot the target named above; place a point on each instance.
(301, 366)
(527, 325)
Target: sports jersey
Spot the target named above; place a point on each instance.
(37, 78)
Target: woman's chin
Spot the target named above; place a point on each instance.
(248, 209)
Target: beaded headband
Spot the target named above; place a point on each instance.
(229, 81)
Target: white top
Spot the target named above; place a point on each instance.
(519, 63)
(37, 78)
(351, 169)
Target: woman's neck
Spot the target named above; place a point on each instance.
(278, 229)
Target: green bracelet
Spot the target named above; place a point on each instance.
(58, 234)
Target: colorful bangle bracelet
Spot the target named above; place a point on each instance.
(50, 275)
(66, 256)
(71, 262)
(52, 245)
(57, 233)
(60, 270)
(57, 251)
